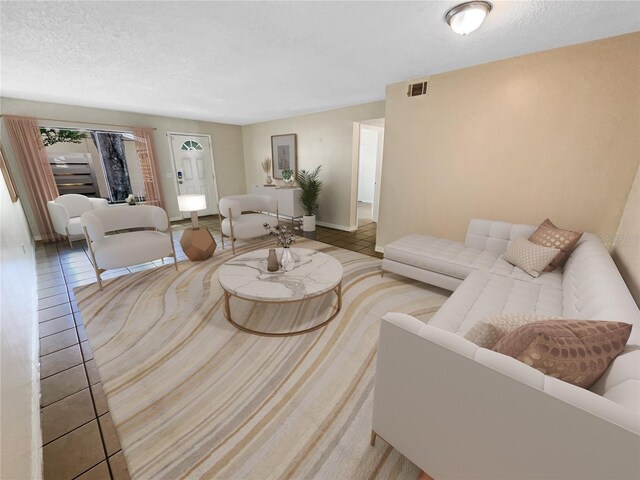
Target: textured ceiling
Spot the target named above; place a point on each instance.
(243, 62)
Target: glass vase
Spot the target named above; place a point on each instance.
(286, 260)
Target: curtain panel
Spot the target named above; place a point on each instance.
(35, 171)
(149, 165)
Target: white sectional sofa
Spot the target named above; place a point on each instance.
(460, 411)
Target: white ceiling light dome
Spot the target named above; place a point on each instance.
(467, 17)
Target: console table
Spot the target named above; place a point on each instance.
(288, 199)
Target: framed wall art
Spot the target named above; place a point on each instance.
(284, 152)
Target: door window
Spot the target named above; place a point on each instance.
(191, 145)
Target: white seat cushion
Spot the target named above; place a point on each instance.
(249, 225)
(131, 248)
(483, 294)
(74, 227)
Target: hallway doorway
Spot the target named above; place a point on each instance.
(369, 141)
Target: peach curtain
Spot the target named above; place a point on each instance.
(149, 166)
(35, 170)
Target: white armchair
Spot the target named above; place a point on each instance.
(241, 226)
(66, 210)
(130, 248)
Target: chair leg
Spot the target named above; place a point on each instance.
(93, 258)
(173, 249)
(99, 279)
(233, 245)
(220, 222)
(373, 438)
(69, 238)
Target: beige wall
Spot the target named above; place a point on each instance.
(20, 437)
(553, 134)
(626, 246)
(226, 139)
(324, 138)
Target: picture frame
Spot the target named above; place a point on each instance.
(284, 154)
(6, 173)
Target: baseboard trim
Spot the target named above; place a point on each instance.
(337, 227)
(379, 249)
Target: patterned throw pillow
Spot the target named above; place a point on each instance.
(529, 257)
(548, 235)
(576, 351)
(487, 332)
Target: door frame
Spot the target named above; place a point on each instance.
(175, 172)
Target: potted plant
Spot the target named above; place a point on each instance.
(287, 176)
(311, 186)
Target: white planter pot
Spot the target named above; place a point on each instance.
(309, 223)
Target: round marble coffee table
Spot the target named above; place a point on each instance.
(314, 274)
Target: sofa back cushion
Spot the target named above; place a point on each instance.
(592, 288)
(102, 220)
(236, 204)
(495, 236)
(75, 204)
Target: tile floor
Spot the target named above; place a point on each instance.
(79, 439)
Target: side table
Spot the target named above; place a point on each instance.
(198, 244)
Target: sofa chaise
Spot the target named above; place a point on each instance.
(460, 411)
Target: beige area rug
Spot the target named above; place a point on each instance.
(192, 396)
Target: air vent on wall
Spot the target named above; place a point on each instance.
(416, 89)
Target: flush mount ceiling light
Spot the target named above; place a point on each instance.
(467, 17)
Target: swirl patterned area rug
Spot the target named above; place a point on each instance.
(193, 397)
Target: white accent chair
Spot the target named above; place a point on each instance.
(130, 248)
(457, 410)
(66, 210)
(241, 226)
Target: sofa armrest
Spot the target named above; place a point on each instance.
(159, 219)
(93, 226)
(59, 217)
(98, 203)
(442, 402)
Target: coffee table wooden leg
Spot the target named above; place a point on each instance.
(227, 307)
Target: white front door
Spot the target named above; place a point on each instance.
(194, 167)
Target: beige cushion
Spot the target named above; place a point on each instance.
(529, 257)
(487, 332)
(575, 351)
(548, 235)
